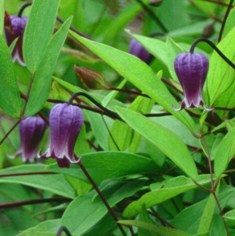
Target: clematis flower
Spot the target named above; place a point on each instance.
(31, 133)
(136, 49)
(14, 28)
(65, 124)
(191, 69)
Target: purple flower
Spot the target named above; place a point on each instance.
(135, 48)
(31, 133)
(191, 69)
(65, 124)
(14, 28)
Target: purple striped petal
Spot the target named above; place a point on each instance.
(191, 69)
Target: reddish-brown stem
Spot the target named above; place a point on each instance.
(9, 132)
(103, 199)
(31, 202)
(27, 173)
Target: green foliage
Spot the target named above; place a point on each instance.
(9, 92)
(163, 172)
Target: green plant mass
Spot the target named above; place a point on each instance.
(117, 117)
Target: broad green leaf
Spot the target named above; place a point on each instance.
(87, 210)
(164, 51)
(55, 183)
(207, 216)
(221, 76)
(46, 228)
(224, 153)
(9, 92)
(230, 217)
(170, 189)
(41, 80)
(169, 143)
(38, 32)
(159, 230)
(100, 165)
(229, 23)
(139, 74)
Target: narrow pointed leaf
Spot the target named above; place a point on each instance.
(38, 31)
(168, 142)
(9, 92)
(224, 153)
(42, 77)
(139, 74)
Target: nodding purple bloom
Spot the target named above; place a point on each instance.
(14, 27)
(191, 69)
(31, 133)
(136, 49)
(65, 124)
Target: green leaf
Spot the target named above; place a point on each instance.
(159, 230)
(230, 217)
(169, 143)
(87, 210)
(139, 74)
(46, 228)
(224, 153)
(38, 32)
(41, 80)
(207, 215)
(101, 166)
(229, 23)
(55, 183)
(9, 92)
(170, 189)
(221, 76)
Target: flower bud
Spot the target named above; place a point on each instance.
(14, 27)
(65, 124)
(31, 133)
(90, 78)
(135, 48)
(155, 3)
(191, 69)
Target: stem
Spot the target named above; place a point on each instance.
(109, 112)
(217, 2)
(8, 133)
(31, 202)
(162, 220)
(213, 188)
(27, 173)
(27, 96)
(152, 14)
(23, 7)
(214, 47)
(225, 19)
(127, 91)
(103, 199)
(110, 134)
(73, 29)
(63, 229)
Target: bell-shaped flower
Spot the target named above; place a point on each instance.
(31, 133)
(65, 122)
(136, 49)
(14, 27)
(191, 69)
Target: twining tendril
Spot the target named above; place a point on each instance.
(214, 47)
(28, 4)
